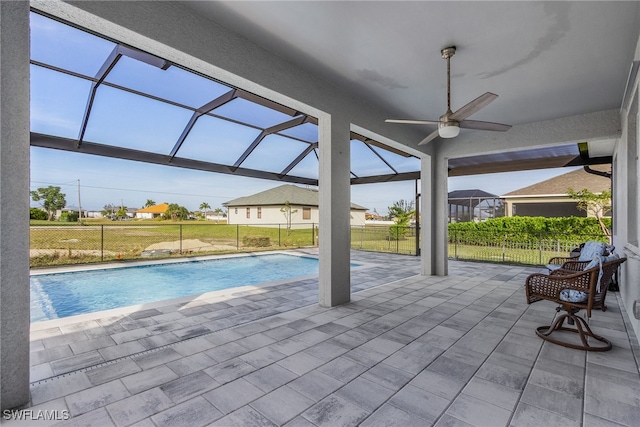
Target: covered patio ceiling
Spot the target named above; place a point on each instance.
(105, 98)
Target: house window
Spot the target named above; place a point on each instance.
(306, 213)
(248, 212)
(259, 213)
(236, 211)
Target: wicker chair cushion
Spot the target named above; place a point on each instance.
(590, 250)
(570, 295)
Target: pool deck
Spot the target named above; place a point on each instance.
(407, 350)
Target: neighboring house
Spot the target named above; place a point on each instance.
(265, 207)
(470, 205)
(550, 199)
(152, 211)
(214, 216)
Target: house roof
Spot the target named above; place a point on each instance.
(160, 209)
(576, 180)
(279, 195)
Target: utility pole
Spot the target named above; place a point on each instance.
(79, 205)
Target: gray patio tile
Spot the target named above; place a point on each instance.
(226, 351)
(148, 379)
(315, 385)
(256, 341)
(231, 396)
(191, 332)
(141, 314)
(40, 372)
(158, 340)
(270, 377)
(138, 407)
(155, 358)
(244, 417)
(230, 370)
(364, 393)
(441, 385)
(282, 405)
(91, 344)
(509, 376)
(388, 376)
(366, 357)
(74, 363)
(562, 384)
(383, 346)
(121, 350)
(96, 397)
(342, 369)
(453, 368)
(58, 387)
(613, 410)
(112, 371)
(186, 387)
(300, 363)
(96, 418)
(281, 332)
(190, 364)
(50, 354)
(557, 402)
(262, 357)
(448, 421)
(390, 416)
(334, 412)
(419, 402)
(494, 393)
(130, 335)
(593, 421)
(478, 412)
(195, 412)
(64, 339)
(530, 416)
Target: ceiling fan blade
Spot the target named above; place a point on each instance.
(433, 135)
(473, 106)
(475, 124)
(413, 122)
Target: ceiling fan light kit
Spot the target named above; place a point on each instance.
(450, 122)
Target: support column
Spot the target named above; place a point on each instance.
(335, 207)
(434, 176)
(14, 204)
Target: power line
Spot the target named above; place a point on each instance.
(139, 191)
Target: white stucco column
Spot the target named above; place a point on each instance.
(14, 203)
(433, 178)
(335, 202)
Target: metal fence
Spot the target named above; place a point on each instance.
(506, 248)
(394, 239)
(77, 244)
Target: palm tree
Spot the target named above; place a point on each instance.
(149, 203)
(204, 206)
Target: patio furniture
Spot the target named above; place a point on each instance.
(585, 252)
(576, 285)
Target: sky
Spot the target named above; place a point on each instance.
(123, 119)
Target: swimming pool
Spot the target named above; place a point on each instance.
(66, 294)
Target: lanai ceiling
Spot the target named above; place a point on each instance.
(545, 60)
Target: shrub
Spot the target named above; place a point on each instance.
(256, 242)
(69, 217)
(39, 214)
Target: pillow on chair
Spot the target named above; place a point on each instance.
(591, 249)
(571, 295)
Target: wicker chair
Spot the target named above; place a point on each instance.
(572, 276)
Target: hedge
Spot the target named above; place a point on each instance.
(525, 229)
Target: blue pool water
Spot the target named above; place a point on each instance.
(67, 294)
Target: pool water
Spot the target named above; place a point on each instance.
(66, 294)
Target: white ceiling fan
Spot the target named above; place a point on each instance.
(450, 122)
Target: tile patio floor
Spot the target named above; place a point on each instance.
(407, 351)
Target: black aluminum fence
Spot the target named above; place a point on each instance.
(514, 249)
(51, 245)
(395, 239)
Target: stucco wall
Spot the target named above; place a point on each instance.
(271, 215)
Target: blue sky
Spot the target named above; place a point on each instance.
(123, 119)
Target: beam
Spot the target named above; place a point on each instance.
(404, 176)
(299, 158)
